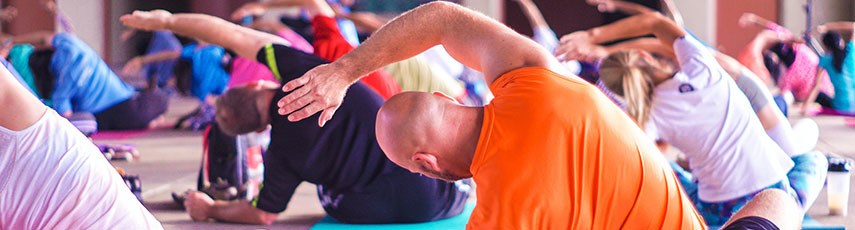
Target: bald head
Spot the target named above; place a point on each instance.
(405, 122)
(429, 134)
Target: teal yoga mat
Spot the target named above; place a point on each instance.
(457, 222)
(807, 224)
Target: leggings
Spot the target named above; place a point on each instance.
(804, 182)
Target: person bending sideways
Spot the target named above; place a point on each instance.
(538, 163)
(75, 79)
(53, 177)
(356, 182)
(733, 160)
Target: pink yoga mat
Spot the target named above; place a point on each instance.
(118, 135)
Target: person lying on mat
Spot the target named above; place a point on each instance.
(53, 177)
(734, 159)
(356, 182)
(839, 62)
(69, 74)
(529, 132)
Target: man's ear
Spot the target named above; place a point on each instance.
(437, 93)
(427, 160)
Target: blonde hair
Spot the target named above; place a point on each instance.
(628, 75)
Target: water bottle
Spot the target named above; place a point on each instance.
(838, 186)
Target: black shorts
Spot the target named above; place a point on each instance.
(134, 113)
(393, 198)
(751, 223)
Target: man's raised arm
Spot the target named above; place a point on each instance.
(472, 38)
(244, 41)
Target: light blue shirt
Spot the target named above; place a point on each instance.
(82, 81)
(209, 76)
(843, 81)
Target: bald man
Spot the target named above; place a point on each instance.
(356, 182)
(549, 152)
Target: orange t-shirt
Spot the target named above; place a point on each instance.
(555, 153)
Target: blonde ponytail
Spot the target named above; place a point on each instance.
(628, 76)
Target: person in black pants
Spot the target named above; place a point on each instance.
(356, 182)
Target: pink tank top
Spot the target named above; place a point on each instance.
(801, 75)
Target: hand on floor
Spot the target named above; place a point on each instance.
(197, 205)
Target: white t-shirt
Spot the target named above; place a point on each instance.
(701, 112)
(53, 177)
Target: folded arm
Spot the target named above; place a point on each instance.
(244, 41)
(665, 30)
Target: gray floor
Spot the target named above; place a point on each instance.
(170, 162)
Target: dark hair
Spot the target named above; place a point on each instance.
(831, 40)
(43, 78)
(785, 53)
(183, 71)
(237, 111)
(773, 66)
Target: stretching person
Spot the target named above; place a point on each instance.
(839, 63)
(800, 61)
(566, 149)
(356, 182)
(732, 163)
(53, 177)
(75, 79)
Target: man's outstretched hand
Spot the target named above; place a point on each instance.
(320, 89)
(147, 20)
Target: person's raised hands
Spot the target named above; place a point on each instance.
(320, 89)
(579, 46)
(147, 20)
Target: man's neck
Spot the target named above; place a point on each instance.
(465, 126)
(263, 104)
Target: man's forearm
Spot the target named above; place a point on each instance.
(244, 41)
(240, 212)
(471, 38)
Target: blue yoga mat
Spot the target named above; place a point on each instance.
(807, 224)
(457, 222)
